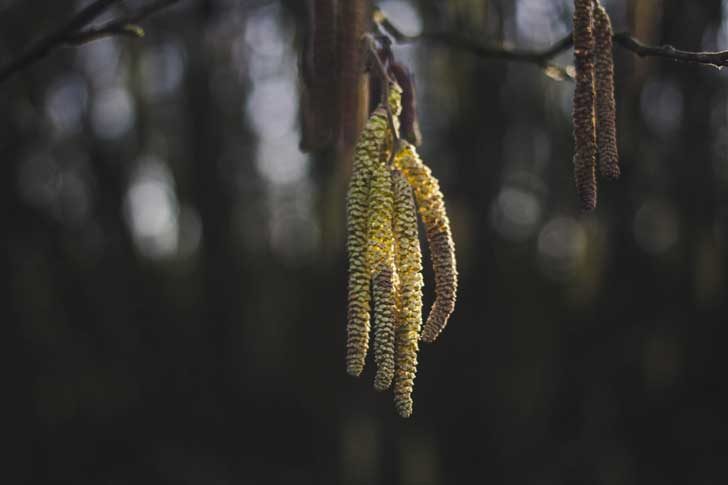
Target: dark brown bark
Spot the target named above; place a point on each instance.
(354, 20)
(319, 68)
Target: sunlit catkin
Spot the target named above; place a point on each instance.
(605, 104)
(371, 148)
(583, 114)
(431, 206)
(408, 260)
(380, 259)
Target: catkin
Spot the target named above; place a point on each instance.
(583, 114)
(380, 259)
(372, 147)
(385, 260)
(431, 207)
(605, 104)
(408, 259)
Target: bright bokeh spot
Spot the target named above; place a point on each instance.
(152, 211)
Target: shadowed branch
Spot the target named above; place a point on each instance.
(77, 31)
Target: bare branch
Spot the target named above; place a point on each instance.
(716, 59)
(543, 57)
(77, 31)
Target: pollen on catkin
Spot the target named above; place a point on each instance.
(385, 260)
(408, 259)
(431, 206)
(372, 147)
(380, 259)
(606, 122)
(583, 114)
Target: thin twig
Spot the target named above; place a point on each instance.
(77, 31)
(122, 26)
(542, 57)
(52, 41)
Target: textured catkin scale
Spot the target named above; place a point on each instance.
(584, 116)
(366, 155)
(380, 237)
(370, 150)
(442, 250)
(380, 259)
(431, 206)
(385, 314)
(408, 260)
(395, 102)
(605, 104)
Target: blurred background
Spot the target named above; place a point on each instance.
(174, 274)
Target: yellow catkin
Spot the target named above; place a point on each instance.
(380, 259)
(408, 260)
(367, 153)
(583, 114)
(431, 206)
(373, 146)
(605, 104)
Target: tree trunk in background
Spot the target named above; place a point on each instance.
(334, 97)
(354, 20)
(319, 67)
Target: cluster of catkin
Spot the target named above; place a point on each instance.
(595, 130)
(385, 260)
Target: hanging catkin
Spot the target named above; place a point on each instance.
(605, 104)
(385, 195)
(409, 269)
(583, 114)
(431, 207)
(373, 147)
(380, 259)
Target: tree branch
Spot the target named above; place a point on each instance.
(543, 57)
(77, 31)
(716, 59)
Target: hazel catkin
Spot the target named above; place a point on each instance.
(606, 118)
(408, 258)
(385, 260)
(583, 111)
(431, 206)
(373, 146)
(380, 259)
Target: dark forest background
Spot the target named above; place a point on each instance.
(174, 274)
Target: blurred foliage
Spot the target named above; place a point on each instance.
(174, 267)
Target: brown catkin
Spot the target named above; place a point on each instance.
(583, 114)
(605, 104)
(380, 259)
(408, 259)
(442, 252)
(372, 148)
(431, 206)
